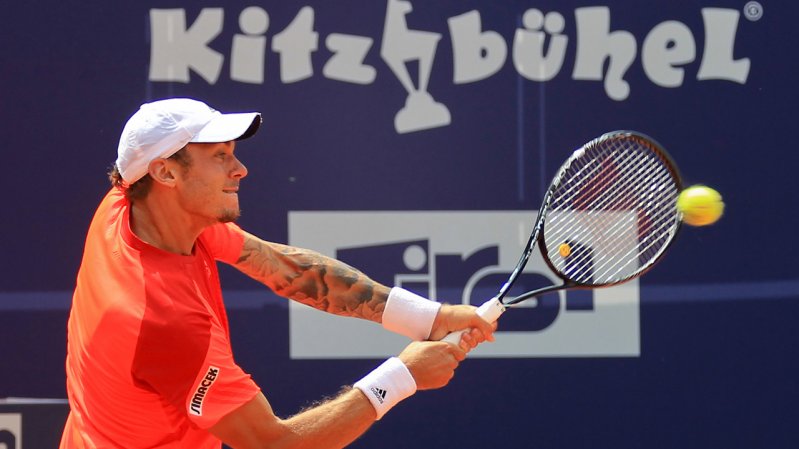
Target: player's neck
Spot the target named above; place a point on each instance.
(158, 222)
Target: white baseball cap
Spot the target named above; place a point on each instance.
(161, 128)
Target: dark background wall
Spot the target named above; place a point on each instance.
(717, 316)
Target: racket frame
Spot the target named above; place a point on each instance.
(537, 237)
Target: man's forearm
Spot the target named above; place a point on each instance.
(313, 279)
(332, 424)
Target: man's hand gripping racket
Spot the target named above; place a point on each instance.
(607, 218)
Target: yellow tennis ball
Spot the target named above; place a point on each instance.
(700, 205)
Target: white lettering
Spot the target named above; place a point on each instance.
(539, 48)
(175, 49)
(596, 44)
(668, 44)
(346, 64)
(295, 45)
(247, 56)
(477, 54)
(528, 45)
(718, 63)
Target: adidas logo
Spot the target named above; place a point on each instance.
(379, 393)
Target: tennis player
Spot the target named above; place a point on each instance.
(149, 360)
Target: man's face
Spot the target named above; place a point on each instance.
(209, 185)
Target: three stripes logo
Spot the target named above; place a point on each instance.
(379, 393)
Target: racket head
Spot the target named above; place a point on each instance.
(610, 212)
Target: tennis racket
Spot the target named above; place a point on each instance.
(608, 217)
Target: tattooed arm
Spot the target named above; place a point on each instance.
(312, 278)
(335, 287)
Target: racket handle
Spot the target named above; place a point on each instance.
(489, 311)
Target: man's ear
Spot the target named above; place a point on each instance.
(163, 172)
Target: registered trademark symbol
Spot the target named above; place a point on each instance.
(753, 11)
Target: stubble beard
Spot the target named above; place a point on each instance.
(229, 215)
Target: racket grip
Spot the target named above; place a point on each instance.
(489, 311)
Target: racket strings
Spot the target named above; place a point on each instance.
(597, 205)
(609, 269)
(592, 203)
(576, 181)
(599, 177)
(576, 185)
(609, 230)
(648, 250)
(609, 224)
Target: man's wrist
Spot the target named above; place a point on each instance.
(409, 314)
(387, 385)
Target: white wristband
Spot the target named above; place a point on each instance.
(387, 385)
(409, 314)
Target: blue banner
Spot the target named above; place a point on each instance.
(415, 140)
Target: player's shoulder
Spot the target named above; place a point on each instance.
(223, 241)
(218, 230)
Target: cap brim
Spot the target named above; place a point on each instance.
(227, 127)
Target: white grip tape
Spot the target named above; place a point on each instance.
(387, 385)
(409, 314)
(489, 311)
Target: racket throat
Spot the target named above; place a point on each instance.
(533, 294)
